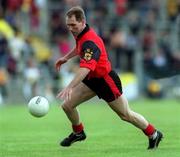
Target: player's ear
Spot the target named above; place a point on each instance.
(83, 22)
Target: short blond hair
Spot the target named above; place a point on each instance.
(78, 12)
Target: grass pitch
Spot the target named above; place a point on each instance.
(22, 135)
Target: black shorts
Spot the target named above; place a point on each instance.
(108, 88)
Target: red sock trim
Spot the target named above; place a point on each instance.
(149, 130)
(78, 128)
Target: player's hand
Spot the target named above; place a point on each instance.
(65, 94)
(59, 62)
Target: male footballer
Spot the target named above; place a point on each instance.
(95, 77)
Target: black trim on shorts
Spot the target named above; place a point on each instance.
(116, 80)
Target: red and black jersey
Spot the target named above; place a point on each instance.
(92, 52)
(101, 79)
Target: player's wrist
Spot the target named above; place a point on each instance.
(65, 58)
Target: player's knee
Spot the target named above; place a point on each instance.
(66, 107)
(126, 117)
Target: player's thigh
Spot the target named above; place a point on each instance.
(120, 105)
(80, 94)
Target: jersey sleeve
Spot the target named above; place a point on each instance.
(90, 54)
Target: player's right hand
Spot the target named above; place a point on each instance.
(59, 62)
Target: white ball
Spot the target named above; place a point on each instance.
(38, 106)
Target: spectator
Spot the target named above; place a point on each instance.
(172, 9)
(31, 76)
(3, 51)
(3, 84)
(117, 44)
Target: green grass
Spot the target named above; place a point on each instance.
(22, 135)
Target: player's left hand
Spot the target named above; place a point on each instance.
(65, 94)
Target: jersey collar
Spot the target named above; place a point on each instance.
(86, 29)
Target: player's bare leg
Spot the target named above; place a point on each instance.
(121, 107)
(80, 94)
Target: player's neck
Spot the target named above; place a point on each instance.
(84, 26)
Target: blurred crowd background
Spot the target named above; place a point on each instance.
(142, 38)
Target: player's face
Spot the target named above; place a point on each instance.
(74, 26)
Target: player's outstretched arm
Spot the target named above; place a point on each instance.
(80, 75)
(64, 59)
(65, 94)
